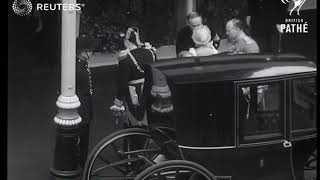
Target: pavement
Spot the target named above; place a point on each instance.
(31, 108)
(32, 93)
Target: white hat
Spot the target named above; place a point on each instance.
(201, 35)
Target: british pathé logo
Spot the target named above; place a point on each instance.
(294, 26)
(22, 7)
(297, 4)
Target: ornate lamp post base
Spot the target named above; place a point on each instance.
(66, 163)
(66, 174)
(67, 153)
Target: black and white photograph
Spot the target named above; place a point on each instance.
(162, 90)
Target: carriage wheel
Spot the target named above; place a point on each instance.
(312, 161)
(310, 169)
(121, 155)
(176, 170)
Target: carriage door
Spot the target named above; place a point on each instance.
(262, 130)
(303, 118)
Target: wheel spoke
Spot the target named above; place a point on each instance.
(176, 169)
(123, 155)
(108, 162)
(193, 175)
(160, 176)
(115, 150)
(119, 163)
(115, 177)
(147, 143)
(147, 160)
(142, 151)
(177, 173)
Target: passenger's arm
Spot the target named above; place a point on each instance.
(252, 48)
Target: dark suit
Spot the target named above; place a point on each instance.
(84, 90)
(128, 71)
(265, 14)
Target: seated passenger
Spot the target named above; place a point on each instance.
(201, 37)
(237, 41)
(184, 37)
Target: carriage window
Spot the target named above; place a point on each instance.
(260, 112)
(303, 103)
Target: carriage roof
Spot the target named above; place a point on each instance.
(233, 67)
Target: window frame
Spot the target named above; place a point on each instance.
(299, 133)
(264, 138)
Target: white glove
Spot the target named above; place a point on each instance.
(117, 110)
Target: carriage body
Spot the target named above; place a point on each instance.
(239, 117)
(244, 116)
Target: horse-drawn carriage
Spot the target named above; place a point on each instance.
(234, 117)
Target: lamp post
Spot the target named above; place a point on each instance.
(190, 6)
(67, 138)
(183, 7)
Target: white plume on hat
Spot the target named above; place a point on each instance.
(201, 35)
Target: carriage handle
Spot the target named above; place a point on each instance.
(286, 144)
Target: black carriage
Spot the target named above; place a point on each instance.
(249, 116)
